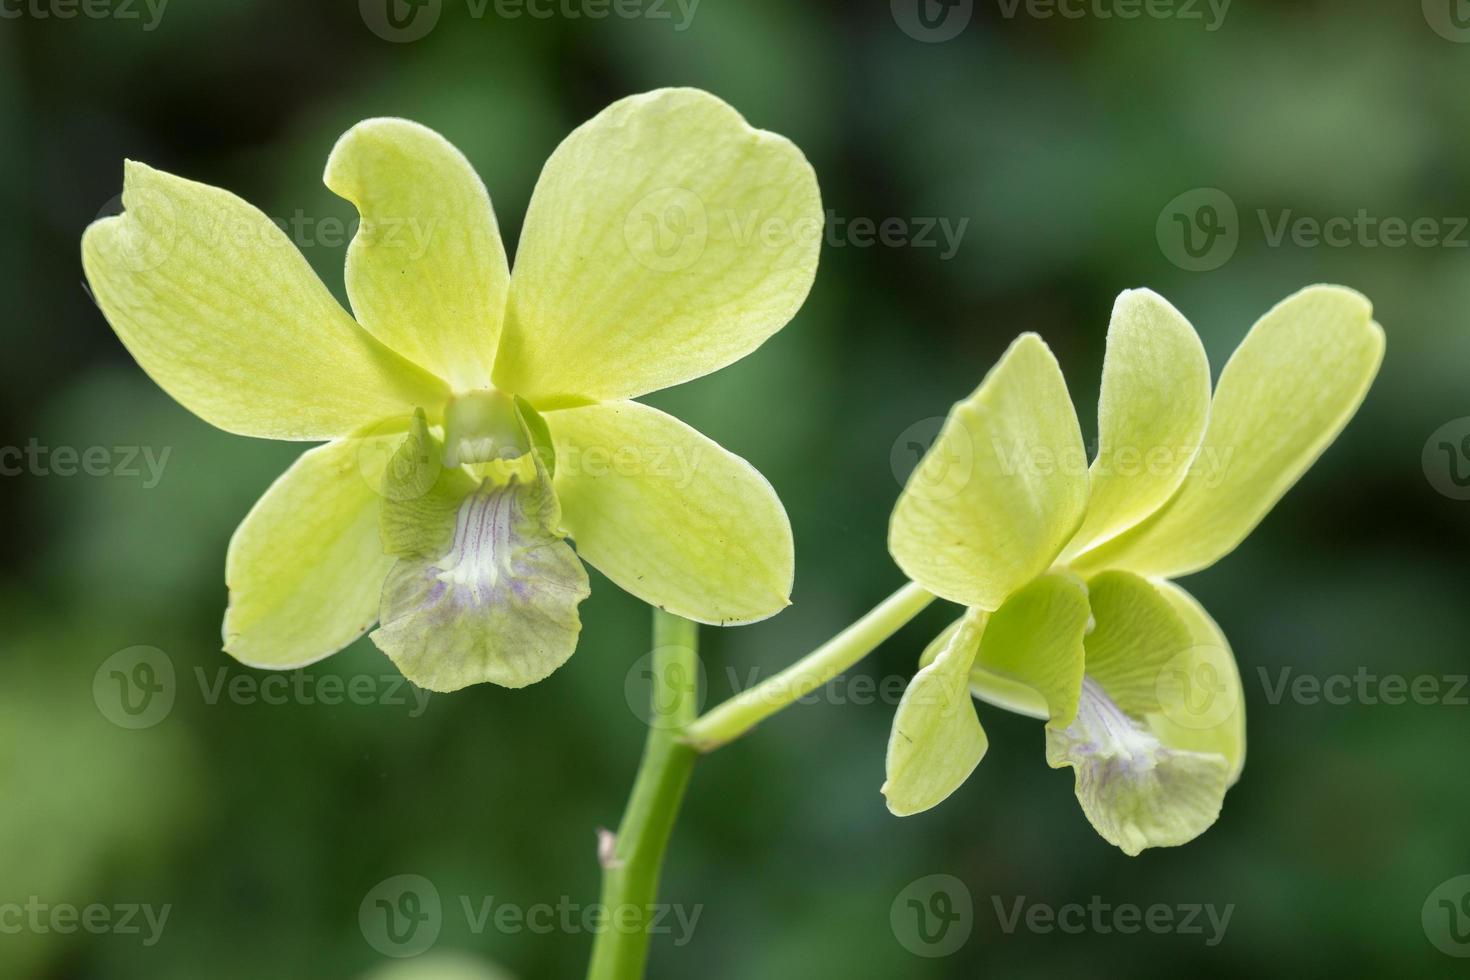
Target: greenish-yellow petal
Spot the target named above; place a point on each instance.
(219, 307)
(1289, 389)
(1148, 744)
(306, 567)
(1003, 488)
(499, 605)
(671, 516)
(665, 239)
(1136, 791)
(1151, 415)
(1033, 643)
(936, 740)
(426, 271)
(1202, 697)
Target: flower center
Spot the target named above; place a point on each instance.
(481, 426)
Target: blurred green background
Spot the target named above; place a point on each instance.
(1059, 143)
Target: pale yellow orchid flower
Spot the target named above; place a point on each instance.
(637, 269)
(1067, 569)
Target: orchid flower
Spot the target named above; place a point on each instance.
(1067, 570)
(472, 418)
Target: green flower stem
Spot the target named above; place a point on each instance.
(631, 861)
(749, 708)
(631, 864)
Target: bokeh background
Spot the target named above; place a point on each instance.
(1058, 144)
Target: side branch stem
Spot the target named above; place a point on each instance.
(744, 711)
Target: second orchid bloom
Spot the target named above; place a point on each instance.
(1067, 569)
